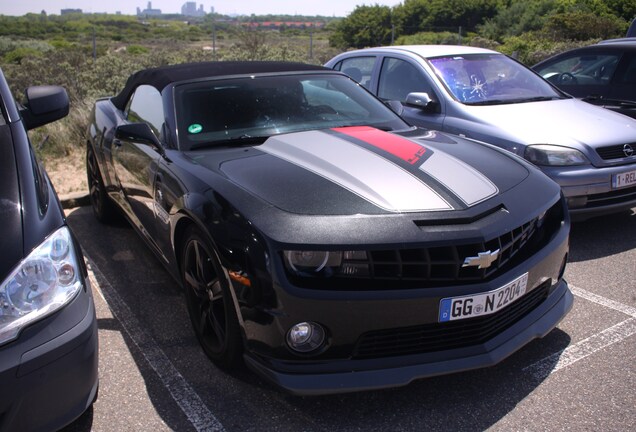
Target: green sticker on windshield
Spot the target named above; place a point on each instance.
(195, 128)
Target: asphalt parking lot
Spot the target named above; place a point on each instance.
(154, 377)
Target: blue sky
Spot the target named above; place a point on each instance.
(243, 7)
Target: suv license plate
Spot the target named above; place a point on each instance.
(456, 308)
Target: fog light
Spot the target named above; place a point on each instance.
(577, 202)
(305, 337)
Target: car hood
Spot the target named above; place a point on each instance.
(568, 122)
(361, 170)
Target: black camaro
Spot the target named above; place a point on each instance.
(320, 238)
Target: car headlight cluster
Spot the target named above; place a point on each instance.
(327, 263)
(553, 155)
(42, 283)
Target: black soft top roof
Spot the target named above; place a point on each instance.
(162, 76)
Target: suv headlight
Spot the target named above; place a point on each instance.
(553, 155)
(42, 283)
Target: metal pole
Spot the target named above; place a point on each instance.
(213, 40)
(311, 42)
(94, 46)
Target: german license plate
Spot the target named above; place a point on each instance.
(456, 308)
(624, 179)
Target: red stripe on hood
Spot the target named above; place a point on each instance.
(397, 146)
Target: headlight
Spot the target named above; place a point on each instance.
(42, 283)
(552, 155)
(327, 263)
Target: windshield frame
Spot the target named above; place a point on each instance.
(490, 79)
(256, 93)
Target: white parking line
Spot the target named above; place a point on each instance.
(608, 303)
(186, 398)
(578, 351)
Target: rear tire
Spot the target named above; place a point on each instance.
(103, 208)
(209, 302)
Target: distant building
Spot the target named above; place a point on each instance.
(190, 9)
(149, 11)
(70, 11)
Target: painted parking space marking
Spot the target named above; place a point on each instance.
(586, 347)
(611, 304)
(186, 398)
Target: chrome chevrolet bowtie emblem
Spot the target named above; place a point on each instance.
(482, 260)
(628, 150)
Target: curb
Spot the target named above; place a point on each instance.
(76, 199)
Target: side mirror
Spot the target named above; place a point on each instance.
(419, 100)
(139, 133)
(44, 104)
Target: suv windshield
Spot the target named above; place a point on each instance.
(217, 111)
(491, 79)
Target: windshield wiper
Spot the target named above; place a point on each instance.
(606, 101)
(382, 128)
(237, 140)
(491, 102)
(539, 99)
(513, 101)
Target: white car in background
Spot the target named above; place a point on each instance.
(488, 96)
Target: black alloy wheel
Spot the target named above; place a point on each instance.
(103, 207)
(209, 302)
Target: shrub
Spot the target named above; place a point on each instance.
(429, 38)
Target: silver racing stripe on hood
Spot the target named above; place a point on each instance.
(357, 169)
(468, 184)
(464, 182)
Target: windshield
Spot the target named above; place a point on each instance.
(491, 79)
(245, 109)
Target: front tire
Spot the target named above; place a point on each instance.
(209, 302)
(103, 208)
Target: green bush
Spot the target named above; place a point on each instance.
(136, 49)
(583, 26)
(429, 38)
(19, 54)
(531, 48)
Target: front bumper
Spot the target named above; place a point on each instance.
(391, 316)
(49, 376)
(589, 192)
(535, 325)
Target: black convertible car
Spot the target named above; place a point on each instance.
(320, 238)
(48, 328)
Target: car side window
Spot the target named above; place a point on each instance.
(582, 69)
(359, 69)
(146, 106)
(629, 77)
(398, 78)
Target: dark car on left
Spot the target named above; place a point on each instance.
(48, 328)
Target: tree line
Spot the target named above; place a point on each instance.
(492, 23)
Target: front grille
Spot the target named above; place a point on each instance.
(444, 264)
(437, 266)
(615, 151)
(449, 335)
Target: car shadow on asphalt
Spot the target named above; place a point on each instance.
(603, 236)
(468, 401)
